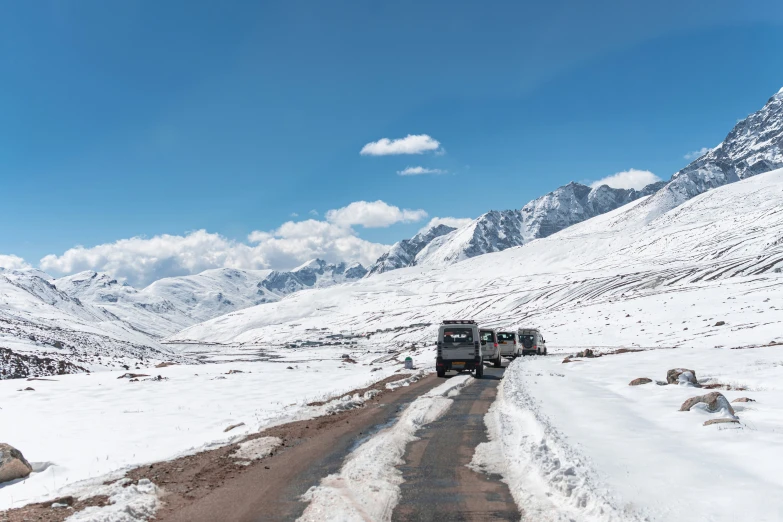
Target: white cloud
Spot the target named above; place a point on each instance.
(416, 171)
(373, 214)
(628, 179)
(448, 221)
(697, 153)
(141, 260)
(410, 144)
(313, 212)
(294, 214)
(12, 262)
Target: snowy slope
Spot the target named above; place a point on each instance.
(173, 303)
(44, 331)
(707, 259)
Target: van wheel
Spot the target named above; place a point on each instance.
(479, 371)
(441, 373)
(497, 362)
(545, 352)
(538, 352)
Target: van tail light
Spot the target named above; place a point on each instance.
(496, 345)
(535, 347)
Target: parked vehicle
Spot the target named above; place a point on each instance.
(509, 347)
(489, 343)
(532, 341)
(460, 348)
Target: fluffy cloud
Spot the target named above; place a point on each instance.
(448, 221)
(628, 179)
(410, 144)
(141, 260)
(417, 171)
(12, 262)
(697, 153)
(373, 214)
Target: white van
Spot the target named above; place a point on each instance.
(532, 341)
(509, 347)
(462, 345)
(490, 346)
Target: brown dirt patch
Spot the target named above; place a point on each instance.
(45, 512)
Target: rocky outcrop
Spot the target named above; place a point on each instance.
(682, 376)
(13, 465)
(714, 401)
(639, 381)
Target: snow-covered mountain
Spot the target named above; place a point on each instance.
(609, 280)
(170, 304)
(498, 230)
(45, 331)
(754, 146)
(403, 253)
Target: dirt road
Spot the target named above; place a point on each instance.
(438, 484)
(213, 486)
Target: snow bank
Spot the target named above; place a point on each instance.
(127, 503)
(367, 486)
(574, 440)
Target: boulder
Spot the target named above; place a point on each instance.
(13, 465)
(640, 380)
(720, 323)
(744, 399)
(673, 376)
(715, 401)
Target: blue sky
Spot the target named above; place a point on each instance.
(139, 119)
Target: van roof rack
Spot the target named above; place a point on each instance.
(459, 321)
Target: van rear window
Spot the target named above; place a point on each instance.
(458, 335)
(505, 337)
(486, 335)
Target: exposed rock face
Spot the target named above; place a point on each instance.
(673, 376)
(13, 465)
(754, 146)
(24, 365)
(715, 402)
(639, 381)
(498, 230)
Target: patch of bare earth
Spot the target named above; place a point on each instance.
(44, 511)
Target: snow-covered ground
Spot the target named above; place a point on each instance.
(78, 427)
(576, 442)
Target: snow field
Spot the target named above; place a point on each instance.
(73, 428)
(367, 486)
(575, 441)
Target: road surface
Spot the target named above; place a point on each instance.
(438, 485)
